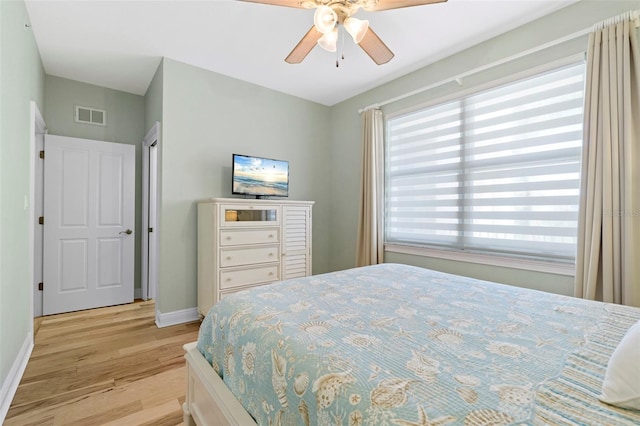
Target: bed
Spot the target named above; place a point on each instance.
(394, 344)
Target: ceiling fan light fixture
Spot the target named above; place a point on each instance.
(325, 19)
(329, 41)
(357, 28)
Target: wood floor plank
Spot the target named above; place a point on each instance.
(107, 337)
(103, 414)
(104, 366)
(37, 398)
(169, 413)
(163, 342)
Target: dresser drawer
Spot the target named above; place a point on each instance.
(235, 237)
(247, 277)
(229, 292)
(249, 255)
(243, 215)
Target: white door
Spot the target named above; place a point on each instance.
(89, 210)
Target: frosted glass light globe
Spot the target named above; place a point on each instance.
(357, 28)
(329, 40)
(325, 19)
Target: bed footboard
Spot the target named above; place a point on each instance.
(187, 419)
(209, 401)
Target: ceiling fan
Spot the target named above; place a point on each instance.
(330, 14)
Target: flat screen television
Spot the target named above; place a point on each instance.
(260, 177)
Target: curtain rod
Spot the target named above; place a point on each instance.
(631, 15)
(458, 78)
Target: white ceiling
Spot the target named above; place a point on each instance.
(118, 44)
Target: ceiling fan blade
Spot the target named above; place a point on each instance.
(304, 46)
(375, 48)
(287, 3)
(397, 4)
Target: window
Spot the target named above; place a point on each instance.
(496, 172)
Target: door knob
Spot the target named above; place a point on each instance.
(128, 232)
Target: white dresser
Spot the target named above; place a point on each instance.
(245, 243)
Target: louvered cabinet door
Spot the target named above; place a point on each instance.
(296, 241)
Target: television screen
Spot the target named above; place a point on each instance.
(260, 177)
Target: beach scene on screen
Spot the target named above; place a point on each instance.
(260, 176)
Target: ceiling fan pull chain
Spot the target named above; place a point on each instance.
(338, 54)
(338, 50)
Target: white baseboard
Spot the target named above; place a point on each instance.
(10, 384)
(176, 317)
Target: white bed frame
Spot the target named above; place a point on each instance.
(209, 401)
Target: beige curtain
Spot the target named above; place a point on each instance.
(608, 256)
(370, 244)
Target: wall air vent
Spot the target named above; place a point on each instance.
(89, 115)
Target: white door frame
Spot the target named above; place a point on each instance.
(150, 146)
(35, 204)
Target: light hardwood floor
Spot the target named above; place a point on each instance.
(107, 366)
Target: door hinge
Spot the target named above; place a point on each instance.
(40, 286)
(150, 229)
(41, 220)
(42, 154)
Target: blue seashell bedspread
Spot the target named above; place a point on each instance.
(400, 345)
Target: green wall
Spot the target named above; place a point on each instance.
(125, 124)
(346, 145)
(4, 353)
(21, 81)
(206, 118)
(153, 103)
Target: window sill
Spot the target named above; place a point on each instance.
(484, 259)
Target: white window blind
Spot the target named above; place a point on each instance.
(494, 172)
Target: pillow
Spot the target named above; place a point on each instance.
(621, 386)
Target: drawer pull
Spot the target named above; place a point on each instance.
(228, 257)
(228, 280)
(270, 235)
(271, 273)
(270, 254)
(228, 238)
